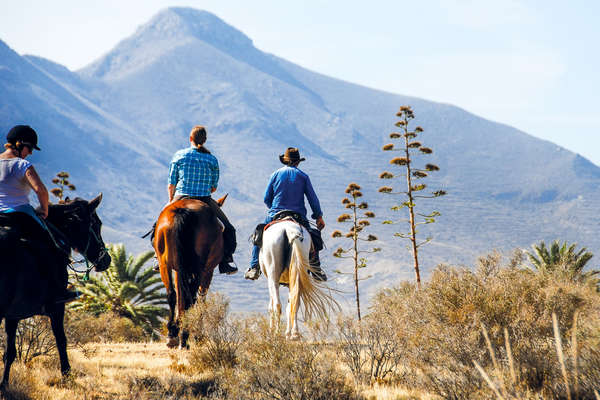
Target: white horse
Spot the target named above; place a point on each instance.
(284, 259)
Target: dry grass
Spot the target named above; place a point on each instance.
(109, 371)
(493, 332)
(147, 371)
(383, 392)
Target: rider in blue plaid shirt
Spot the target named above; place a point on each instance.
(194, 174)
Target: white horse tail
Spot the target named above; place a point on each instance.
(314, 295)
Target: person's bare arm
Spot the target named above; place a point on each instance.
(171, 190)
(39, 188)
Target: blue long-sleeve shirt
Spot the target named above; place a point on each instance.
(286, 190)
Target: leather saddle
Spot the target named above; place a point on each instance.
(286, 215)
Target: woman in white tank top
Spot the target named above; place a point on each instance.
(18, 176)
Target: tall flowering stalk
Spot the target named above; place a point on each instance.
(357, 224)
(62, 182)
(409, 147)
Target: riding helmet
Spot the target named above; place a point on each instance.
(24, 134)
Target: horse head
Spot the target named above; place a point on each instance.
(78, 221)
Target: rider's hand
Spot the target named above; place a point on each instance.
(320, 223)
(213, 189)
(42, 213)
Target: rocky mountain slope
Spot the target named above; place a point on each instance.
(115, 125)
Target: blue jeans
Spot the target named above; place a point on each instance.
(256, 249)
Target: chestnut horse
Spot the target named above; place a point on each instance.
(188, 242)
(24, 289)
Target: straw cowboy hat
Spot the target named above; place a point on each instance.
(291, 156)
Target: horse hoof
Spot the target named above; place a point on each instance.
(172, 342)
(294, 336)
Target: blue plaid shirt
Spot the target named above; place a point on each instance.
(194, 173)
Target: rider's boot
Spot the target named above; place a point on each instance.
(252, 273)
(315, 267)
(225, 266)
(58, 292)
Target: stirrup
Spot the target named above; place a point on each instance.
(67, 296)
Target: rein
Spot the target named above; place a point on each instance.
(88, 267)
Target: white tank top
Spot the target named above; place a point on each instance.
(14, 188)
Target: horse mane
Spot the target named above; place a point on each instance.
(67, 206)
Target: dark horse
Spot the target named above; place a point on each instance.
(188, 242)
(24, 290)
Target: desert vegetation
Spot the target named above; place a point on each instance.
(468, 333)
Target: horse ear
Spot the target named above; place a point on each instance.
(95, 202)
(222, 200)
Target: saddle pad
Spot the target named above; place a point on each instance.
(279, 220)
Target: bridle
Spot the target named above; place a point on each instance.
(91, 234)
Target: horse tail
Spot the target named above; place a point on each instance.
(316, 300)
(183, 228)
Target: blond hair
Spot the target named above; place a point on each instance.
(16, 146)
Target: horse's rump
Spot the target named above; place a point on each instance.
(182, 230)
(294, 269)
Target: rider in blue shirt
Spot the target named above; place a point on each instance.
(285, 192)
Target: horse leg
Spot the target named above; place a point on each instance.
(274, 305)
(11, 349)
(57, 318)
(172, 327)
(174, 341)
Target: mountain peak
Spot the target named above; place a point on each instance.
(178, 21)
(170, 27)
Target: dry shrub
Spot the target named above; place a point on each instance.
(171, 387)
(34, 338)
(23, 386)
(216, 339)
(82, 328)
(440, 328)
(272, 367)
(370, 348)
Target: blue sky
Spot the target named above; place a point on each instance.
(530, 64)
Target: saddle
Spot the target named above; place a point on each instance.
(286, 215)
(152, 230)
(22, 228)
